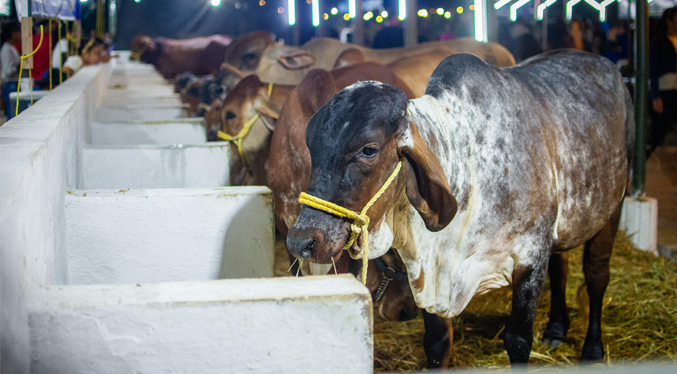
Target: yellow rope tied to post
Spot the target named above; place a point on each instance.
(360, 224)
(237, 139)
(60, 54)
(30, 75)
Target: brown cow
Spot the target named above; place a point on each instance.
(257, 53)
(201, 56)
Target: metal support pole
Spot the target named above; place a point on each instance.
(358, 34)
(641, 98)
(492, 22)
(411, 24)
(544, 31)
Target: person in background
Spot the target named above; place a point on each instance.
(41, 56)
(10, 60)
(663, 79)
(523, 43)
(90, 54)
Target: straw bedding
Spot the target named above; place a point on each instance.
(639, 320)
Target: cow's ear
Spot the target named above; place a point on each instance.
(264, 106)
(297, 61)
(427, 187)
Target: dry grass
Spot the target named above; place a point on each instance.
(639, 321)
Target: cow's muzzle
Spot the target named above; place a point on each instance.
(317, 236)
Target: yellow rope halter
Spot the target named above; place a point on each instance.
(137, 55)
(360, 224)
(237, 139)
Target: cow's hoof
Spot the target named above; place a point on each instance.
(553, 343)
(555, 334)
(592, 354)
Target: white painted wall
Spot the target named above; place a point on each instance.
(129, 113)
(639, 218)
(179, 131)
(304, 325)
(149, 166)
(39, 159)
(283, 325)
(122, 98)
(141, 236)
(157, 89)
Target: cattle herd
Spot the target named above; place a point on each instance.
(503, 168)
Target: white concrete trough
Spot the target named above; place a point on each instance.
(117, 98)
(178, 131)
(283, 325)
(128, 113)
(155, 166)
(141, 236)
(155, 89)
(136, 79)
(79, 272)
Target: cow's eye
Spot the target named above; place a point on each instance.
(249, 57)
(369, 152)
(230, 115)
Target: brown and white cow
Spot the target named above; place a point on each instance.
(502, 169)
(200, 56)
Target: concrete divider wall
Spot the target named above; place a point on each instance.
(141, 236)
(284, 325)
(180, 131)
(148, 166)
(39, 158)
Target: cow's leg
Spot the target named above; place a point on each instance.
(437, 341)
(596, 268)
(526, 296)
(558, 323)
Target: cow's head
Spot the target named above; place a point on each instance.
(244, 54)
(355, 142)
(212, 120)
(142, 47)
(249, 102)
(208, 92)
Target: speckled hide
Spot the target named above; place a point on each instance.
(537, 157)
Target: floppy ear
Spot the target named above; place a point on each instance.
(297, 61)
(264, 106)
(427, 187)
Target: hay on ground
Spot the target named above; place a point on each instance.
(639, 321)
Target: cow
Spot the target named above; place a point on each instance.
(501, 170)
(289, 170)
(201, 56)
(274, 62)
(190, 86)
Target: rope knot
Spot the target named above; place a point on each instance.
(360, 224)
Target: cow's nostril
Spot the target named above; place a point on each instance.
(301, 246)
